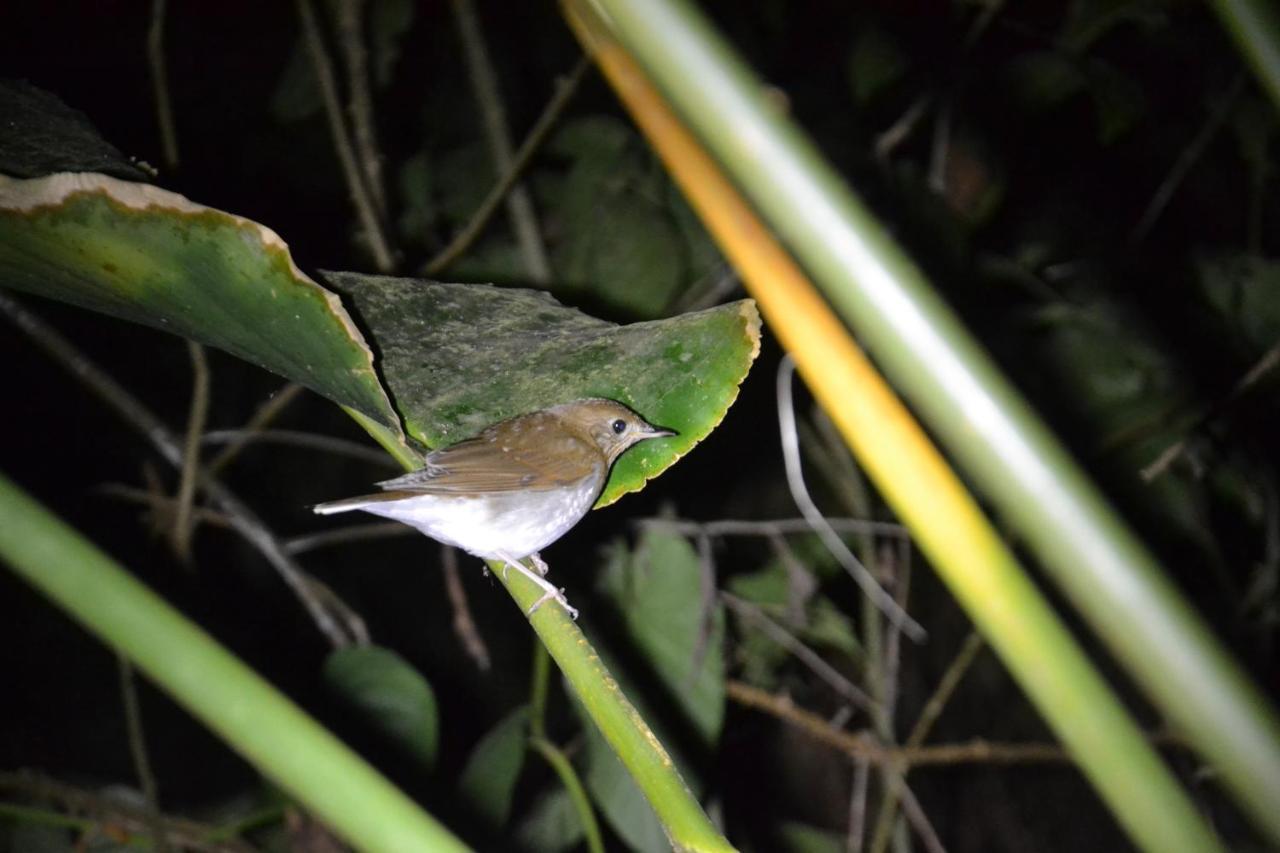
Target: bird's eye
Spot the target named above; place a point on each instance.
(619, 426)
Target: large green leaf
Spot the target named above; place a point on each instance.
(488, 781)
(458, 357)
(142, 253)
(391, 694)
(455, 358)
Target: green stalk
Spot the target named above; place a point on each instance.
(248, 713)
(687, 826)
(884, 297)
(1255, 26)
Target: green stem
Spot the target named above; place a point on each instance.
(232, 700)
(1255, 26)
(686, 824)
(538, 691)
(973, 409)
(569, 778)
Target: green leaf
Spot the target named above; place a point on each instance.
(1244, 290)
(552, 825)
(391, 693)
(144, 254)
(41, 135)
(657, 592)
(488, 780)
(801, 838)
(621, 801)
(458, 357)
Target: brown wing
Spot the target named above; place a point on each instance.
(531, 453)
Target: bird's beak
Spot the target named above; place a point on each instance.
(658, 432)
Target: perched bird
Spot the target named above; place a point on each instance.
(515, 488)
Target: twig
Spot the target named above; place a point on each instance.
(463, 625)
(360, 194)
(160, 504)
(706, 608)
(801, 584)
(270, 409)
(346, 535)
(800, 494)
(897, 132)
(294, 438)
(1264, 365)
(920, 821)
(484, 83)
(138, 416)
(364, 133)
(860, 746)
(186, 834)
(138, 752)
(464, 239)
(857, 805)
(1186, 160)
(160, 85)
(769, 528)
(924, 724)
(196, 419)
(802, 653)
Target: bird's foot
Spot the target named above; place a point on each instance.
(539, 564)
(549, 592)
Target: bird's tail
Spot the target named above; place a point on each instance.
(345, 505)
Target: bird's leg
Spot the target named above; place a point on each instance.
(539, 563)
(549, 592)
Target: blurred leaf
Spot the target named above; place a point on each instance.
(801, 838)
(552, 825)
(618, 797)
(618, 238)
(388, 22)
(297, 94)
(1118, 101)
(463, 177)
(1244, 290)
(417, 206)
(658, 595)
(1044, 79)
(459, 357)
(1255, 125)
(1089, 21)
(875, 62)
(22, 837)
(828, 627)
(391, 694)
(488, 780)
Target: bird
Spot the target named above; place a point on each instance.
(516, 487)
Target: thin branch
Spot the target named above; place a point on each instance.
(897, 133)
(138, 752)
(484, 83)
(161, 505)
(463, 625)
(138, 416)
(769, 528)
(947, 685)
(360, 92)
(858, 805)
(861, 746)
(183, 529)
(563, 768)
(360, 195)
(802, 653)
(306, 440)
(270, 409)
(102, 811)
(1260, 368)
(160, 85)
(464, 239)
(347, 535)
(809, 509)
(1187, 159)
(920, 821)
